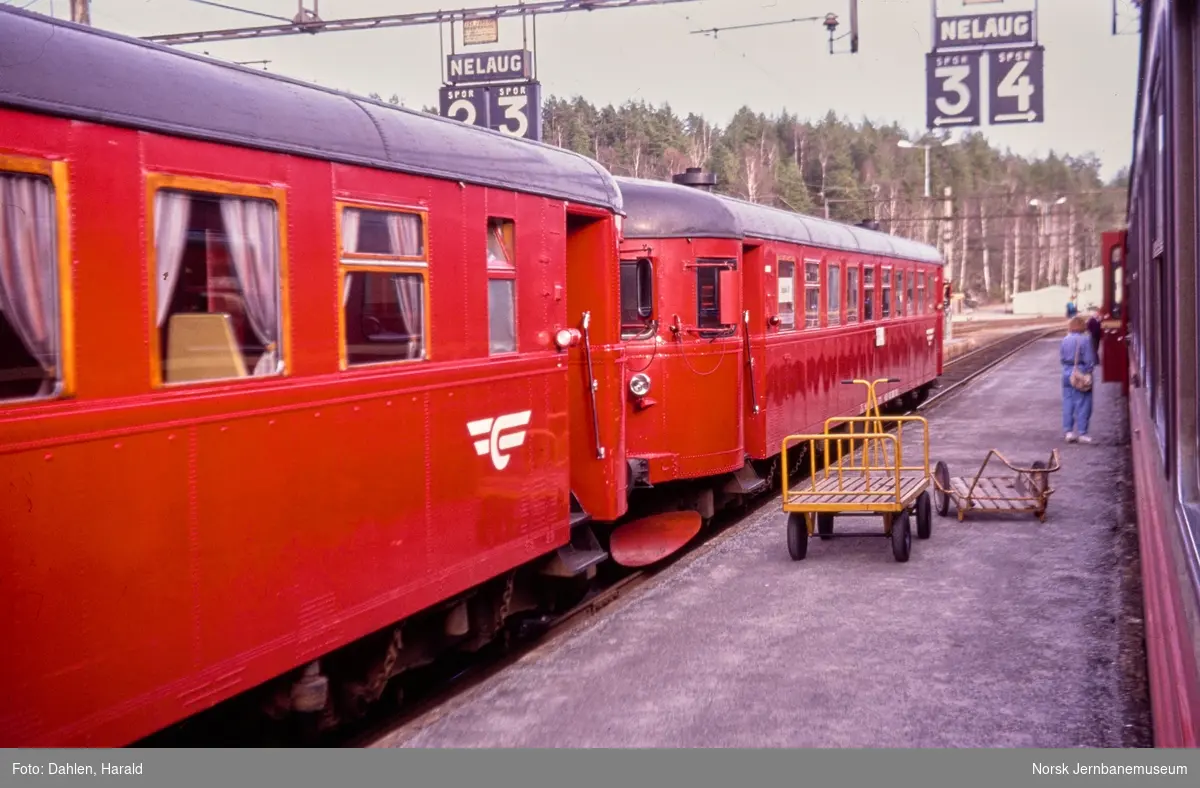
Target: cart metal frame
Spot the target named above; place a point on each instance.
(864, 480)
(1027, 491)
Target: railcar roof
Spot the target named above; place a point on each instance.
(660, 209)
(764, 221)
(59, 67)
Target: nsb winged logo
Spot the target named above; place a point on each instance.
(496, 442)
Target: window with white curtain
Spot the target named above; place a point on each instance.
(30, 325)
(217, 271)
(383, 285)
(502, 286)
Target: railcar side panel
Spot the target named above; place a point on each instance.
(689, 425)
(168, 547)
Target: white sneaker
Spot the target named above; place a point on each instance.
(1070, 437)
(1085, 439)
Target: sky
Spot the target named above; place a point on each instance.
(650, 53)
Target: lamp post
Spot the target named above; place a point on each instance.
(926, 147)
(1043, 211)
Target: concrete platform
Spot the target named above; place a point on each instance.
(999, 631)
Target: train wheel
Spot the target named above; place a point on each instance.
(942, 474)
(901, 537)
(924, 516)
(797, 536)
(825, 525)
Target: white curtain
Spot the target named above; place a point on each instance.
(351, 219)
(251, 228)
(172, 212)
(404, 231)
(28, 268)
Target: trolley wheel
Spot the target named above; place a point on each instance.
(942, 474)
(797, 535)
(1040, 480)
(924, 516)
(901, 537)
(825, 525)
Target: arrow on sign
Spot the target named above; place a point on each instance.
(952, 121)
(1025, 116)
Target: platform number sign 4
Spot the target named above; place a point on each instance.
(952, 83)
(1016, 86)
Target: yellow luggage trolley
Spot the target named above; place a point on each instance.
(868, 479)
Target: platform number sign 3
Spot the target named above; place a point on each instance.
(1016, 86)
(514, 109)
(952, 89)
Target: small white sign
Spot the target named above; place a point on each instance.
(879, 336)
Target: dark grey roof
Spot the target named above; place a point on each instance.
(764, 221)
(57, 67)
(659, 209)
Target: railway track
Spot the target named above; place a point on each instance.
(428, 709)
(970, 365)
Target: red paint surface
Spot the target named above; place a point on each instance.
(650, 539)
(798, 372)
(166, 549)
(694, 429)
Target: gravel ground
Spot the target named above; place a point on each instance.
(999, 631)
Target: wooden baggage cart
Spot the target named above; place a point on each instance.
(1025, 491)
(864, 474)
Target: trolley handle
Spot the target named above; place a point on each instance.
(885, 380)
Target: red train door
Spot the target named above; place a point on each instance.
(1114, 362)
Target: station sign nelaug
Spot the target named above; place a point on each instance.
(985, 30)
(499, 66)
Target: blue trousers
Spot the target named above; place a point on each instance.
(1077, 410)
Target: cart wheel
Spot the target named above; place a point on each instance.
(797, 533)
(901, 537)
(924, 516)
(1040, 480)
(825, 525)
(942, 474)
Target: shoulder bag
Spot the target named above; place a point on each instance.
(1080, 381)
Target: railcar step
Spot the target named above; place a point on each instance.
(581, 554)
(745, 481)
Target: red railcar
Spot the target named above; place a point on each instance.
(829, 302)
(1152, 292)
(709, 283)
(278, 369)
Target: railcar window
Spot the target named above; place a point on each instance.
(384, 286)
(833, 311)
(921, 293)
(908, 289)
(868, 293)
(885, 295)
(787, 293)
(502, 290)
(30, 336)
(218, 289)
(812, 295)
(851, 295)
(708, 297)
(637, 296)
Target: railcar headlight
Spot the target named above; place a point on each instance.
(639, 384)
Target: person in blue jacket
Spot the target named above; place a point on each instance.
(1075, 353)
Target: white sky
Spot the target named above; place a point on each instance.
(648, 53)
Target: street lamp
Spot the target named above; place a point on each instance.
(942, 144)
